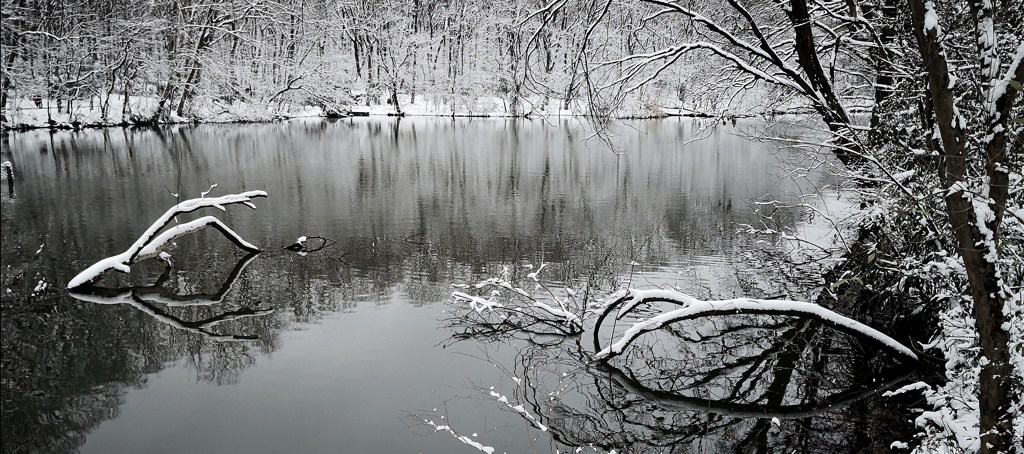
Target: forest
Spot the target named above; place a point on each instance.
(916, 105)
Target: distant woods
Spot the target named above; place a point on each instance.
(176, 53)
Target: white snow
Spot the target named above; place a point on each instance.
(157, 244)
(916, 386)
(462, 438)
(534, 274)
(476, 303)
(519, 409)
(479, 304)
(931, 20)
(694, 307)
(89, 112)
(903, 176)
(147, 246)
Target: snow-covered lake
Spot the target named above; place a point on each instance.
(356, 354)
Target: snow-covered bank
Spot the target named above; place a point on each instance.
(98, 112)
(543, 107)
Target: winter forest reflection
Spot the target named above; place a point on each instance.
(356, 346)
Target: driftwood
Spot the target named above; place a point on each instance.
(152, 242)
(691, 308)
(306, 244)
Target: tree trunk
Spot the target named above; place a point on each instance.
(884, 79)
(978, 249)
(826, 102)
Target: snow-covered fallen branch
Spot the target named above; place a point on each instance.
(509, 306)
(465, 439)
(520, 408)
(692, 308)
(150, 244)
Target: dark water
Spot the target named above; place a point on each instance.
(351, 349)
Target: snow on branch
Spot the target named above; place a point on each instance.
(465, 439)
(479, 304)
(500, 306)
(692, 308)
(520, 408)
(150, 244)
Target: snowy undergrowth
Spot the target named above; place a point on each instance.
(929, 275)
(950, 424)
(447, 105)
(26, 113)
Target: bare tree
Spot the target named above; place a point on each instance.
(971, 125)
(962, 160)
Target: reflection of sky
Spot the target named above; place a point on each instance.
(414, 205)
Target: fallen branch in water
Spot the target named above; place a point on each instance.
(303, 245)
(510, 306)
(692, 308)
(150, 244)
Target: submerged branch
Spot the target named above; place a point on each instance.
(146, 298)
(679, 402)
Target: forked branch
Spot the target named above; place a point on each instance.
(150, 244)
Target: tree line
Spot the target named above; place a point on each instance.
(307, 52)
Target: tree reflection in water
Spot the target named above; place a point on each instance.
(149, 298)
(456, 199)
(50, 404)
(738, 383)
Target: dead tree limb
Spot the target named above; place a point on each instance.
(151, 243)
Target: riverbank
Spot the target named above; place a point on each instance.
(140, 111)
(115, 111)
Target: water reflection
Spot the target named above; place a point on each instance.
(725, 384)
(413, 206)
(149, 299)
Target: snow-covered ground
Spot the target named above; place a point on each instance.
(43, 113)
(25, 113)
(532, 106)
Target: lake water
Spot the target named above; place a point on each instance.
(358, 347)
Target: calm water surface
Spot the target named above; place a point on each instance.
(350, 349)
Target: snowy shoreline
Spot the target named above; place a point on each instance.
(28, 114)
